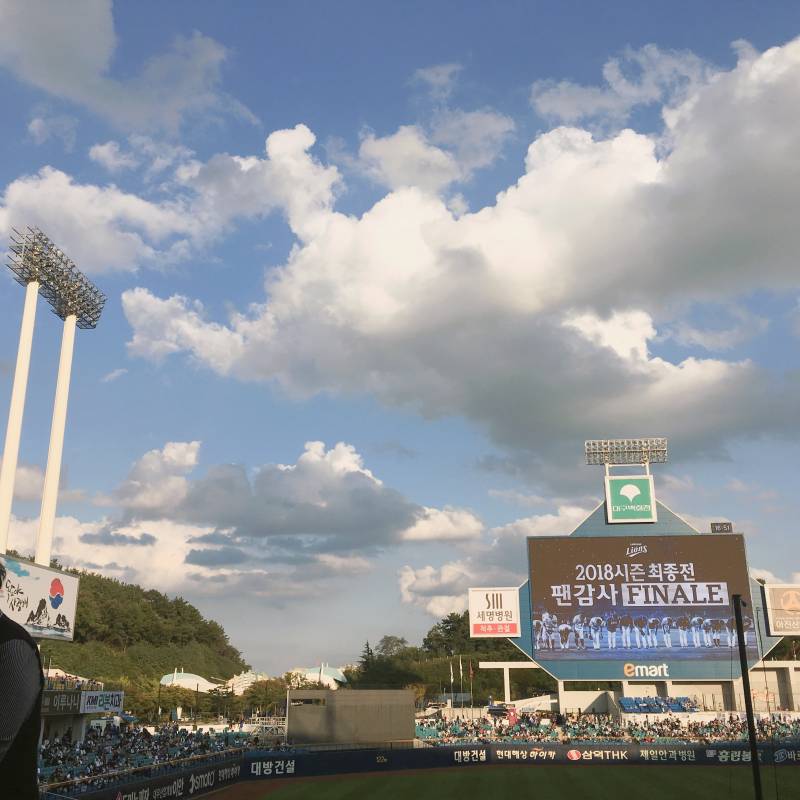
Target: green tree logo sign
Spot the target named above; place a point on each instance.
(630, 498)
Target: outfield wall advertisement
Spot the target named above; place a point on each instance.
(638, 608)
(40, 599)
(285, 766)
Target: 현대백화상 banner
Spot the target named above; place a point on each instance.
(42, 600)
(622, 607)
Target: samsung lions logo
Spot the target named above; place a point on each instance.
(636, 549)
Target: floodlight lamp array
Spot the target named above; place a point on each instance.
(33, 257)
(651, 450)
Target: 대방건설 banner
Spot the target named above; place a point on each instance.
(40, 599)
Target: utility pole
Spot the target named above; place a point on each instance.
(748, 697)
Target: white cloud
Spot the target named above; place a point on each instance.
(289, 179)
(765, 575)
(120, 553)
(324, 517)
(103, 228)
(29, 481)
(406, 158)
(626, 333)
(745, 326)
(114, 375)
(154, 155)
(100, 228)
(157, 481)
(177, 324)
(534, 316)
(640, 77)
(111, 157)
(438, 591)
(327, 503)
(459, 142)
(343, 565)
(560, 524)
(57, 126)
(494, 561)
(439, 79)
(518, 498)
(475, 137)
(677, 483)
(447, 524)
(68, 55)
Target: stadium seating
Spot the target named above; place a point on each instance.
(656, 705)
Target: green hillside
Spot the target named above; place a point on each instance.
(129, 637)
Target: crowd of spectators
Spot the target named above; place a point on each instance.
(600, 728)
(103, 753)
(63, 683)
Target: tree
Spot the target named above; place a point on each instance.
(266, 696)
(448, 637)
(367, 656)
(787, 649)
(391, 646)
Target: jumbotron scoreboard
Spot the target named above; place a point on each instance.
(620, 607)
(635, 592)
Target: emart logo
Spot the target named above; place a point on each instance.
(645, 670)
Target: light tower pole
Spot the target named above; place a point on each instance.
(52, 475)
(25, 261)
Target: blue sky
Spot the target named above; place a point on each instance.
(374, 273)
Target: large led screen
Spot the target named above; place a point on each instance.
(628, 608)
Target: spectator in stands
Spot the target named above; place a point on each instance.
(20, 708)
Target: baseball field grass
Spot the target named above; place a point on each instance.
(543, 782)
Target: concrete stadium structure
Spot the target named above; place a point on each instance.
(366, 716)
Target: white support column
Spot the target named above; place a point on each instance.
(52, 477)
(8, 471)
(506, 685)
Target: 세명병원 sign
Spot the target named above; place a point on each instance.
(494, 613)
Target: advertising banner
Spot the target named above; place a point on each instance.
(56, 702)
(40, 599)
(271, 766)
(101, 702)
(191, 782)
(494, 613)
(622, 608)
(280, 766)
(782, 604)
(630, 498)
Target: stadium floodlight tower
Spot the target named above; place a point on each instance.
(44, 269)
(79, 303)
(30, 268)
(626, 452)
